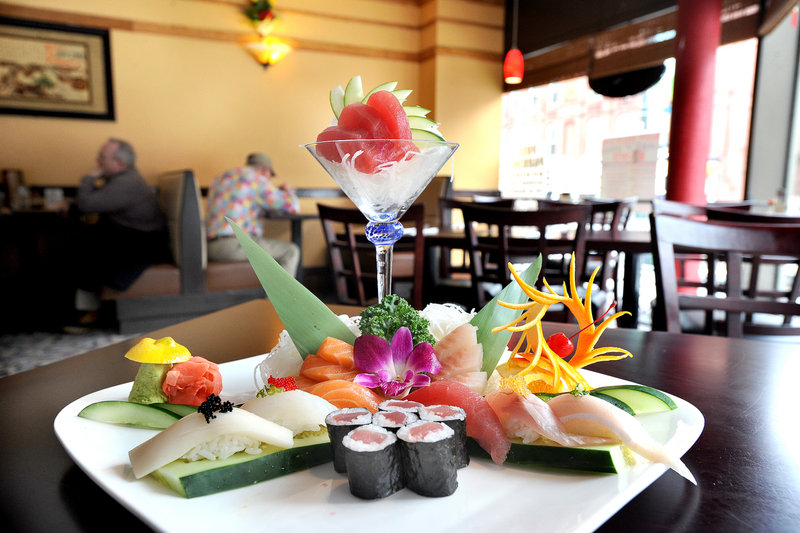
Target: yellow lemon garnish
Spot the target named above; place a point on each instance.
(533, 365)
(163, 351)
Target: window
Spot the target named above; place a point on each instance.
(565, 137)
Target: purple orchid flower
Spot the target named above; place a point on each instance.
(397, 367)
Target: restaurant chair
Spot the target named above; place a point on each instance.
(606, 215)
(189, 285)
(519, 237)
(352, 257)
(439, 187)
(731, 302)
(459, 263)
(611, 216)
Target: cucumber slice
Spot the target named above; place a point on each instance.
(423, 123)
(179, 409)
(607, 459)
(415, 110)
(614, 401)
(337, 100)
(641, 398)
(425, 135)
(353, 92)
(129, 414)
(200, 478)
(547, 396)
(388, 86)
(402, 94)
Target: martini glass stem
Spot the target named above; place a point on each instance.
(383, 235)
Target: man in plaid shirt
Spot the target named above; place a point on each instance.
(244, 195)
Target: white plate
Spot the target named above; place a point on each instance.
(488, 496)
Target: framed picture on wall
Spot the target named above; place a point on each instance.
(55, 70)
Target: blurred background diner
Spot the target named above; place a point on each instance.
(555, 105)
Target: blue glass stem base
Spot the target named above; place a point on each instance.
(383, 235)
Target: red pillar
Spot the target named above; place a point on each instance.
(698, 35)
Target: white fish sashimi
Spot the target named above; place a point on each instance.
(193, 430)
(589, 414)
(294, 409)
(529, 417)
(474, 380)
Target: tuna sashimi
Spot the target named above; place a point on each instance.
(333, 151)
(344, 394)
(392, 113)
(337, 351)
(316, 368)
(482, 423)
(461, 357)
(192, 381)
(358, 116)
(383, 118)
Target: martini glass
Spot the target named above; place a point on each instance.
(382, 177)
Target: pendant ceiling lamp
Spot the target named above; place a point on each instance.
(514, 64)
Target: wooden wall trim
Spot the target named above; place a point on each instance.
(114, 23)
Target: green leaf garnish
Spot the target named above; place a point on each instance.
(307, 320)
(493, 315)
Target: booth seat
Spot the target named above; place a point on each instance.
(191, 285)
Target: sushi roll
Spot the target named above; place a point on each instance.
(373, 461)
(456, 418)
(428, 458)
(393, 420)
(339, 424)
(400, 405)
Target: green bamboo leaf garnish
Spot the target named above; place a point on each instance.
(307, 320)
(493, 315)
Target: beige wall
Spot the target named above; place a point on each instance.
(188, 96)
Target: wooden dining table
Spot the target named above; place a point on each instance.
(746, 460)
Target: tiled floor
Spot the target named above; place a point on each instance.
(24, 351)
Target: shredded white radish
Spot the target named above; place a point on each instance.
(444, 318)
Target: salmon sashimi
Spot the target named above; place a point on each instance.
(302, 382)
(344, 394)
(461, 357)
(338, 352)
(482, 422)
(319, 369)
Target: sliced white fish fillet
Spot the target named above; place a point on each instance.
(295, 409)
(474, 380)
(529, 417)
(192, 430)
(592, 416)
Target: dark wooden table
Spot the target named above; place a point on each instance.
(746, 460)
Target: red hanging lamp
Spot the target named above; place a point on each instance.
(514, 64)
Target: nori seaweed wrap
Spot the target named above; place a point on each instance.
(373, 461)
(428, 457)
(339, 424)
(456, 419)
